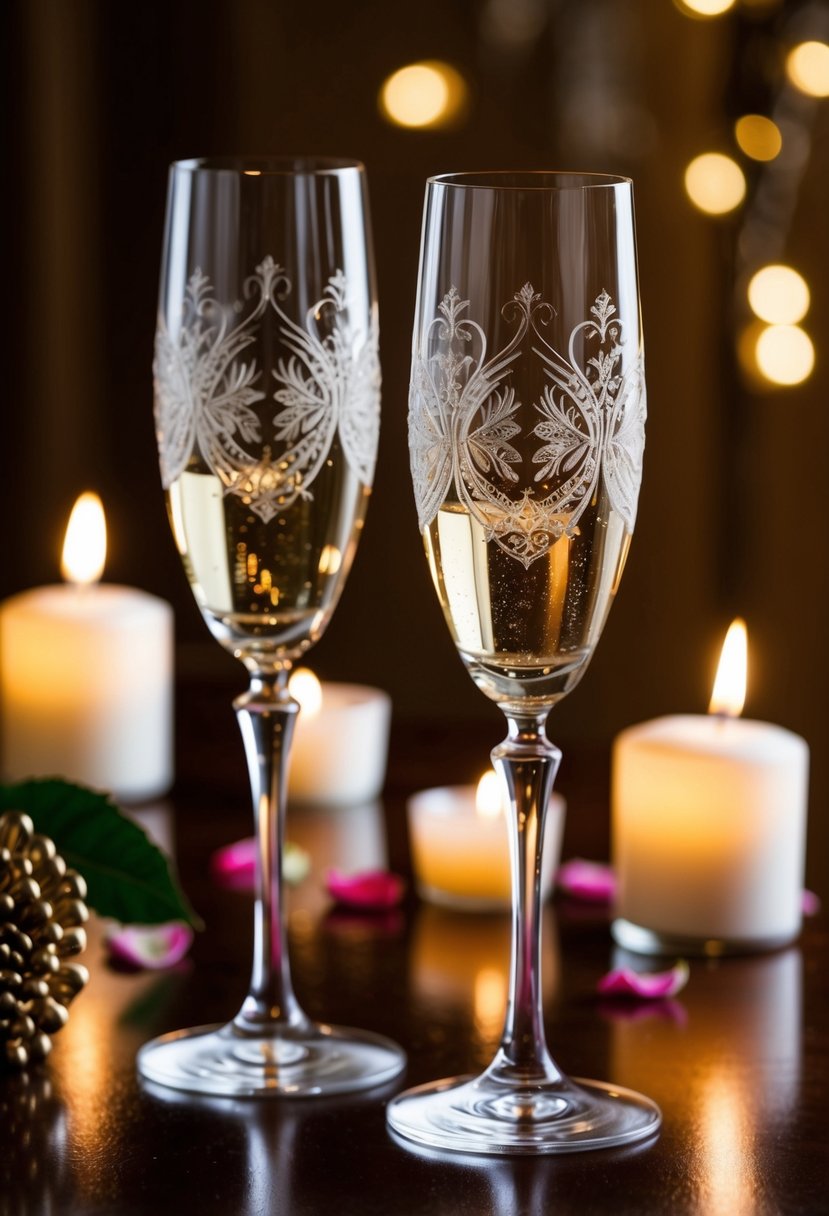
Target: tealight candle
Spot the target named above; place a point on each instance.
(709, 822)
(86, 675)
(340, 743)
(460, 845)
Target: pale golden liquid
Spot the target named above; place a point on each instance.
(526, 633)
(268, 587)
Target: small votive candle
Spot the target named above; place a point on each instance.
(709, 824)
(86, 675)
(340, 744)
(460, 845)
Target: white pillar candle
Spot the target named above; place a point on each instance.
(460, 847)
(86, 687)
(340, 744)
(709, 823)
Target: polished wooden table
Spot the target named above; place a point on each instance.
(739, 1062)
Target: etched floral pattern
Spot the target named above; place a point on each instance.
(463, 424)
(327, 384)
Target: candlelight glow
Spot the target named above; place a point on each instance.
(488, 796)
(807, 66)
(758, 136)
(729, 693)
(704, 8)
(85, 546)
(490, 1000)
(779, 295)
(330, 559)
(715, 183)
(428, 94)
(785, 354)
(306, 688)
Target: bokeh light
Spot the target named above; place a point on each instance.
(715, 183)
(779, 295)
(807, 66)
(785, 354)
(427, 94)
(758, 136)
(704, 8)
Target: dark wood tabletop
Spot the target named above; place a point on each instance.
(738, 1062)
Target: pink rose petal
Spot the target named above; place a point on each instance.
(652, 987)
(369, 889)
(151, 947)
(235, 863)
(587, 880)
(234, 866)
(811, 903)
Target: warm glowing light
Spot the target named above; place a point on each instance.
(488, 802)
(704, 8)
(785, 354)
(779, 295)
(726, 1142)
(85, 546)
(715, 183)
(306, 688)
(729, 695)
(758, 136)
(807, 67)
(427, 94)
(330, 559)
(490, 999)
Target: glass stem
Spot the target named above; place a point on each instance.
(527, 763)
(267, 715)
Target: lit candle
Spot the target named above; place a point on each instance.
(460, 844)
(709, 824)
(340, 743)
(86, 675)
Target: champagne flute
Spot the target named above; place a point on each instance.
(267, 411)
(526, 433)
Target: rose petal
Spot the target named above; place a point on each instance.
(652, 987)
(235, 864)
(811, 904)
(369, 889)
(151, 947)
(587, 880)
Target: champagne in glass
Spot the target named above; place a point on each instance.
(526, 432)
(267, 412)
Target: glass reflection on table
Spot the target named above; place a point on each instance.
(460, 970)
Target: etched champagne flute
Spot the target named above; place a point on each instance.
(526, 433)
(267, 411)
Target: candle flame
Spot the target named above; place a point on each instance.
(729, 693)
(488, 796)
(306, 688)
(85, 546)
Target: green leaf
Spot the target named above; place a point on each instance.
(128, 877)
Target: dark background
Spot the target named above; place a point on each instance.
(100, 96)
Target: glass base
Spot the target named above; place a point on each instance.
(649, 941)
(467, 1115)
(296, 1062)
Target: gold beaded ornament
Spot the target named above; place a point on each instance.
(42, 913)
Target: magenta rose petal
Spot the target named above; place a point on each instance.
(810, 905)
(370, 889)
(150, 947)
(235, 863)
(587, 880)
(650, 987)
